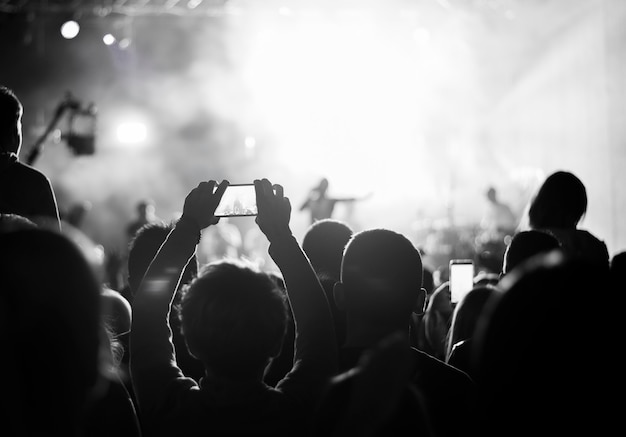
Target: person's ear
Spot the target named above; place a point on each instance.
(339, 295)
(420, 302)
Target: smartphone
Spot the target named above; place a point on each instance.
(461, 278)
(239, 200)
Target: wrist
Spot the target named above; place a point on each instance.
(282, 240)
(190, 225)
(279, 235)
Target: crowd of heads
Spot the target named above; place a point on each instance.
(536, 336)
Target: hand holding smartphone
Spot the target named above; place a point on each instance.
(461, 278)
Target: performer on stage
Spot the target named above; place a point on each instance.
(498, 218)
(321, 206)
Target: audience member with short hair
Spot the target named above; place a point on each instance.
(381, 286)
(324, 242)
(526, 244)
(24, 190)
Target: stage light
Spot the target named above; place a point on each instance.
(70, 29)
(108, 39)
(132, 132)
(250, 142)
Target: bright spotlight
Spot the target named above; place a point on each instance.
(250, 142)
(108, 39)
(70, 29)
(132, 132)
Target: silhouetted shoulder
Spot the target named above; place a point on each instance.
(582, 243)
(21, 168)
(27, 191)
(449, 392)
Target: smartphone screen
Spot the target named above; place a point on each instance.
(461, 278)
(238, 200)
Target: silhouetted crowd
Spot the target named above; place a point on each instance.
(351, 337)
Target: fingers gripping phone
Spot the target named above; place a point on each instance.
(461, 278)
(239, 200)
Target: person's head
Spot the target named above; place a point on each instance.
(233, 318)
(537, 336)
(323, 186)
(142, 249)
(13, 222)
(381, 280)
(323, 243)
(561, 202)
(51, 332)
(467, 313)
(10, 121)
(526, 244)
(492, 195)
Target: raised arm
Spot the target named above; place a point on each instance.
(153, 362)
(315, 356)
(353, 199)
(306, 203)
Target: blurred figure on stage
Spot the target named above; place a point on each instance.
(497, 226)
(77, 213)
(24, 190)
(320, 206)
(146, 213)
(498, 218)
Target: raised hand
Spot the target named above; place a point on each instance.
(201, 202)
(274, 209)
